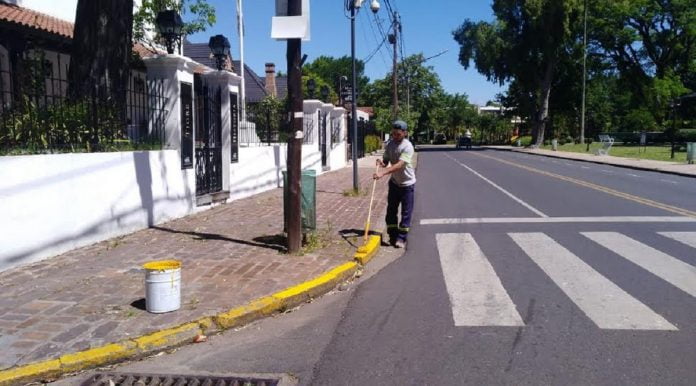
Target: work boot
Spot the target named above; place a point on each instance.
(400, 244)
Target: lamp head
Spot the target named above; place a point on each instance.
(374, 6)
(220, 47)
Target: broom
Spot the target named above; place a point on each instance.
(363, 249)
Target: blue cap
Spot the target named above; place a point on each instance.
(401, 125)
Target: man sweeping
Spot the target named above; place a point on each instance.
(397, 162)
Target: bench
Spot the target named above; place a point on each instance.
(607, 142)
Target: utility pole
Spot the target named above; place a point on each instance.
(354, 101)
(393, 39)
(584, 78)
(354, 6)
(294, 163)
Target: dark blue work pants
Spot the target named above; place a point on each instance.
(399, 195)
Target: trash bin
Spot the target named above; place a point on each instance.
(554, 144)
(308, 185)
(690, 152)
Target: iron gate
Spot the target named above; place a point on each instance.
(208, 137)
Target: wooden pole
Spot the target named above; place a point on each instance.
(294, 163)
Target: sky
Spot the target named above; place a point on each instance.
(427, 28)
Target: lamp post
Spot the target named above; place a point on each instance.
(170, 26)
(353, 7)
(674, 105)
(220, 47)
(324, 91)
(311, 87)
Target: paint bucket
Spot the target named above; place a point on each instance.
(162, 286)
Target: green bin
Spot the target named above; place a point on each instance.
(308, 186)
(690, 152)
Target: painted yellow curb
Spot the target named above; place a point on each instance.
(41, 369)
(366, 252)
(96, 356)
(247, 313)
(305, 291)
(167, 338)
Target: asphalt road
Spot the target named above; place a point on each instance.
(520, 269)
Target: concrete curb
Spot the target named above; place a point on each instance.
(599, 162)
(177, 336)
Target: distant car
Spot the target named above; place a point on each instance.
(439, 139)
(464, 142)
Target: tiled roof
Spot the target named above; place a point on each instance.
(36, 20)
(42, 22)
(282, 86)
(200, 52)
(254, 86)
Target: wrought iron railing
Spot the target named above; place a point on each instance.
(37, 116)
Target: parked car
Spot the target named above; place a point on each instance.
(440, 139)
(464, 142)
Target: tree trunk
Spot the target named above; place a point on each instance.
(543, 106)
(101, 53)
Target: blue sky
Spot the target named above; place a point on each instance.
(427, 29)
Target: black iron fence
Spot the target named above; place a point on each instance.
(267, 123)
(36, 115)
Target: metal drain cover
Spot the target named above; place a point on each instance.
(132, 379)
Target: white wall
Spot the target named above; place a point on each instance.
(260, 168)
(53, 203)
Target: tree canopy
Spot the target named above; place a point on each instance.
(202, 16)
(523, 46)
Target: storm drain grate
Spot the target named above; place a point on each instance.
(126, 379)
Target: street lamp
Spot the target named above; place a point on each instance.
(170, 26)
(220, 47)
(324, 91)
(353, 6)
(311, 87)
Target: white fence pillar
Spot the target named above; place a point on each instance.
(311, 121)
(339, 151)
(173, 70)
(223, 80)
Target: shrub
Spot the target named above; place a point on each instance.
(372, 143)
(525, 140)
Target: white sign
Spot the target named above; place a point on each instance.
(290, 27)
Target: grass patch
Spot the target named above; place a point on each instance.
(355, 192)
(656, 153)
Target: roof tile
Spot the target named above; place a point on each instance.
(36, 20)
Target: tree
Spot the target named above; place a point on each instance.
(418, 86)
(331, 69)
(522, 45)
(650, 45)
(144, 17)
(101, 52)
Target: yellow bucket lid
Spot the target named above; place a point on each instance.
(162, 265)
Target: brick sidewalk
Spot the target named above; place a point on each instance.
(231, 254)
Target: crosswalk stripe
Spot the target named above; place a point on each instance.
(476, 294)
(670, 269)
(688, 238)
(607, 305)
